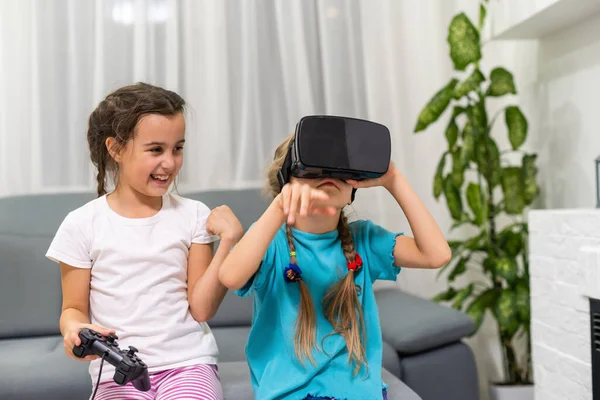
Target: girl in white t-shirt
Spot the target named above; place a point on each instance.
(139, 260)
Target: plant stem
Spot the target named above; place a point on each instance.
(512, 367)
(527, 366)
(500, 111)
(525, 252)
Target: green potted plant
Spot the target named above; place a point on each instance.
(484, 188)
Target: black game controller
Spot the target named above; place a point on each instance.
(129, 367)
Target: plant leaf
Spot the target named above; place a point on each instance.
(436, 106)
(474, 201)
(478, 117)
(510, 242)
(489, 264)
(453, 198)
(507, 268)
(522, 301)
(468, 146)
(458, 168)
(461, 296)
(517, 126)
(530, 186)
(452, 134)
(476, 310)
(438, 179)
(455, 245)
(445, 296)
(505, 311)
(502, 83)
(512, 185)
(464, 219)
(488, 160)
(474, 242)
(457, 111)
(459, 269)
(470, 84)
(482, 14)
(456, 252)
(463, 39)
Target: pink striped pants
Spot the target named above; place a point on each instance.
(193, 382)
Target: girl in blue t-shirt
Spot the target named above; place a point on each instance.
(303, 252)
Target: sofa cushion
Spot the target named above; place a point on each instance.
(31, 283)
(38, 368)
(233, 311)
(412, 324)
(29, 287)
(40, 214)
(451, 367)
(397, 390)
(235, 379)
(392, 360)
(231, 342)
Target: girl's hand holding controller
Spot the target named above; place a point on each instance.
(223, 223)
(71, 338)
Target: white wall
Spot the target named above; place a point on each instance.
(565, 272)
(568, 136)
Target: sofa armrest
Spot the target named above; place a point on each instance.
(412, 324)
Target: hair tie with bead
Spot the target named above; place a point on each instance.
(355, 265)
(292, 273)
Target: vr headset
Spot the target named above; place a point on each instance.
(337, 147)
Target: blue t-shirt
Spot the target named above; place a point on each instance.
(275, 370)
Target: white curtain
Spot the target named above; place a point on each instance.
(249, 69)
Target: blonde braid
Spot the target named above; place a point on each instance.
(342, 307)
(306, 331)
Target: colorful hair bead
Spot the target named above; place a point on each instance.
(356, 264)
(293, 273)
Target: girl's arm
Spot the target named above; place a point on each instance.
(205, 291)
(428, 248)
(243, 262)
(75, 308)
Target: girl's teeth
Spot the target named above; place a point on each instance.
(161, 177)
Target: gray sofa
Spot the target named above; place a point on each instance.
(424, 357)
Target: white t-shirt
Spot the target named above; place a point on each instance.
(139, 279)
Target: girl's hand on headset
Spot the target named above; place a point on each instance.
(386, 180)
(302, 199)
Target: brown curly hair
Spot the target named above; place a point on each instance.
(117, 116)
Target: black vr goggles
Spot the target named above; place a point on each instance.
(337, 147)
